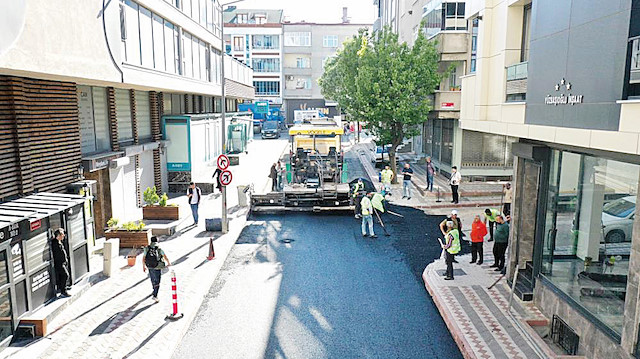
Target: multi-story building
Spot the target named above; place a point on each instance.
(307, 46)
(85, 87)
(562, 77)
(255, 38)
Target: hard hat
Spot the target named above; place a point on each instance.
(454, 212)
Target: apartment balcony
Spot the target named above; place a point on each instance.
(452, 46)
(446, 104)
(517, 79)
(298, 93)
(297, 71)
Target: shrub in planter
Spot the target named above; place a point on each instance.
(131, 234)
(157, 208)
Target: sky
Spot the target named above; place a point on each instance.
(322, 11)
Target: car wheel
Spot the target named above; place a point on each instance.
(615, 236)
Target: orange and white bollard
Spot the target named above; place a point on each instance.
(174, 295)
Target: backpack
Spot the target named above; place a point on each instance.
(152, 258)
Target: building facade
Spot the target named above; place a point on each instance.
(254, 37)
(562, 77)
(307, 46)
(90, 103)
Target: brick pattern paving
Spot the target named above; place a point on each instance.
(477, 316)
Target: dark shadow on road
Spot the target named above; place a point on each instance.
(106, 327)
(147, 339)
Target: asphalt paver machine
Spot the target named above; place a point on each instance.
(316, 171)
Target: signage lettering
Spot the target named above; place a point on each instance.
(36, 225)
(562, 99)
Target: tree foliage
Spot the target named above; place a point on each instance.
(384, 84)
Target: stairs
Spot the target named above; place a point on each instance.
(524, 283)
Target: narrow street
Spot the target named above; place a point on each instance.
(309, 286)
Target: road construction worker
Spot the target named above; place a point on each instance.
(451, 247)
(367, 216)
(386, 177)
(357, 196)
(490, 215)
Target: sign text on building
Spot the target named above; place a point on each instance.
(563, 99)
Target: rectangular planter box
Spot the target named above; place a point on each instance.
(130, 239)
(171, 213)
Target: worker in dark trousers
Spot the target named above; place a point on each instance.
(60, 262)
(357, 194)
(273, 174)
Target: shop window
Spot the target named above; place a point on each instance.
(590, 212)
(6, 317)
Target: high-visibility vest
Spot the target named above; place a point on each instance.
(356, 189)
(455, 244)
(376, 202)
(494, 213)
(365, 205)
(386, 176)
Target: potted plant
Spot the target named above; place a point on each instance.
(156, 207)
(131, 234)
(131, 257)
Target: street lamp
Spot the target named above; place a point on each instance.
(225, 215)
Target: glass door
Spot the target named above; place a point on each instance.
(551, 215)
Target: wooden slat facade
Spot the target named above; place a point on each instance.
(39, 135)
(157, 108)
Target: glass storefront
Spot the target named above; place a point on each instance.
(588, 229)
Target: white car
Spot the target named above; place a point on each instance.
(617, 219)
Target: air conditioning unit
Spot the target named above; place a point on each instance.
(289, 77)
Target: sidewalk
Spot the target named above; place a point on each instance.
(472, 194)
(478, 318)
(116, 318)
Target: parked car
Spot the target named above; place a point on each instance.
(381, 155)
(270, 129)
(617, 219)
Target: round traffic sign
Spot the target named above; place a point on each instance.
(223, 162)
(225, 178)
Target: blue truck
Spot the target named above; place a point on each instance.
(262, 111)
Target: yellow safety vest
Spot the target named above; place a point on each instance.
(455, 244)
(365, 204)
(386, 176)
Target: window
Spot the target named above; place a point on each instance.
(242, 18)
(187, 55)
(143, 115)
(266, 42)
(474, 45)
(635, 54)
(526, 33)
(146, 38)
(267, 87)
(588, 229)
(123, 114)
(266, 65)
(169, 47)
(303, 63)
(439, 15)
(158, 43)
(330, 41)
(261, 18)
(132, 34)
(238, 43)
(297, 39)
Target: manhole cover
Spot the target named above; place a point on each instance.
(286, 240)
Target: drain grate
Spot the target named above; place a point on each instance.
(563, 335)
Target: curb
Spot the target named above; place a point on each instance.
(457, 335)
(459, 205)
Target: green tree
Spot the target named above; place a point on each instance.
(384, 84)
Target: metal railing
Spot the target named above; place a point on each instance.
(563, 335)
(517, 71)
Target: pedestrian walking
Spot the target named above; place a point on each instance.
(367, 216)
(507, 192)
(386, 176)
(502, 241)
(273, 174)
(194, 194)
(154, 259)
(407, 173)
(491, 215)
(451, 247)
(478, 231)
(216, 175)
(431, 172)
(60, 262)
(454, 182)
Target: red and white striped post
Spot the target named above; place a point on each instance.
(174, 296)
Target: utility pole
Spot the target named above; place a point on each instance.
(225, 214)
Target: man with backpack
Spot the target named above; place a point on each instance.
(154, 259)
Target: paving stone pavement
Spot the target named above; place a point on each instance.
(477, 316)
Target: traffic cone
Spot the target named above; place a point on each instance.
(212, 253)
